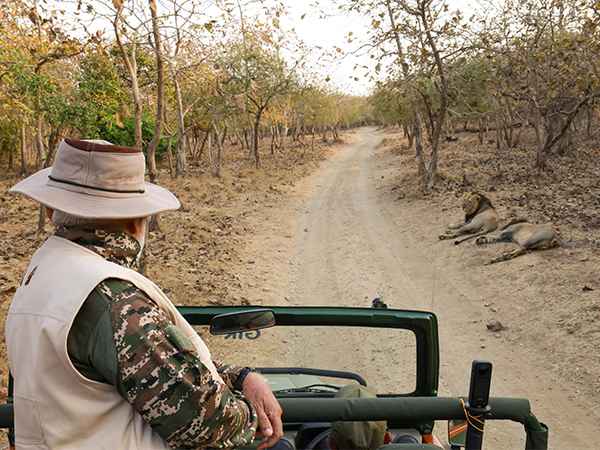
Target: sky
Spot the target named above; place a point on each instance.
(328, 33)
(332, 31)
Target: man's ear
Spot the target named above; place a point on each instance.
(137, 226)
(132, 226)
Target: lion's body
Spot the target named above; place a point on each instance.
(480, 218)
(526, 235)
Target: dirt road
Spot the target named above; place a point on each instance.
(341, 236)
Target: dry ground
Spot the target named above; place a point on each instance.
(561, 314)
(357, 227)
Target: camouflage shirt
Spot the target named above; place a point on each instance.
(122, 338)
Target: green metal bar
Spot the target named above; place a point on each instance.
(412, 412)
(422, 324)
(401, 409)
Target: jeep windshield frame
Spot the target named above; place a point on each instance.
(422, 324)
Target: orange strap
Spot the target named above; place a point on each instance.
(474, 421)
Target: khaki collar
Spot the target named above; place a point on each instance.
(118, 247)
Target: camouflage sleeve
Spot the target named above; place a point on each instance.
(168, 385)
(228, 372)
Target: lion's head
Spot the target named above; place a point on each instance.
(473, 203)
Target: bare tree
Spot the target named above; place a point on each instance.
(160, 92)
(128, 52)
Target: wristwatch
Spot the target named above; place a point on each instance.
(238, 385)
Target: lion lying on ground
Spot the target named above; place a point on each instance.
(480, 218)
(528, 236)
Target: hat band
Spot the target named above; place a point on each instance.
(116, 191)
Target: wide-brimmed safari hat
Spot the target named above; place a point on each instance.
(97, 180)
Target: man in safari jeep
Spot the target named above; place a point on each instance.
(101, 358)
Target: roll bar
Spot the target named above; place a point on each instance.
(407, 410)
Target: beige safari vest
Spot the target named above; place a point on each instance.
(55, 406)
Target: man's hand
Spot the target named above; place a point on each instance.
(268, 410)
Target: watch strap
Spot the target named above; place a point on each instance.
(238, 385)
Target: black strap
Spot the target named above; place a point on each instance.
(238, 385)
(117, 191)
(10, 400)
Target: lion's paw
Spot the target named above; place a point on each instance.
(481, 240)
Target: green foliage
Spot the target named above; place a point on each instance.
(9, 136)
(470, 87)
(390, 103)
(125, 134)
(100, 95)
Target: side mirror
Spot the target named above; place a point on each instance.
(457, 433)
(237, 322)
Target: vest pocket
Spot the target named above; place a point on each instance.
(28, 427)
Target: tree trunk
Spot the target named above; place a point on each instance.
(53, 141)
(209, 149)
(419, 148)
(139, 110)
(240, 139)
(131, 63)
(202, 146)
(154, 224)
(216, 153)
(11, 160)
(408, 134)
(282, 137)
(498, 137)
(180, 149)
(23, 150)
(160, 93)
(540, 140)
(224, 136)
(255, 136)
(172, 170)
(246, 141)
(273, 137)
(39, 144)
(418, 138)
(432, 169)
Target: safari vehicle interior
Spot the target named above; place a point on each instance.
(289, 346)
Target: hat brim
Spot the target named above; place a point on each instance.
(92, 204)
